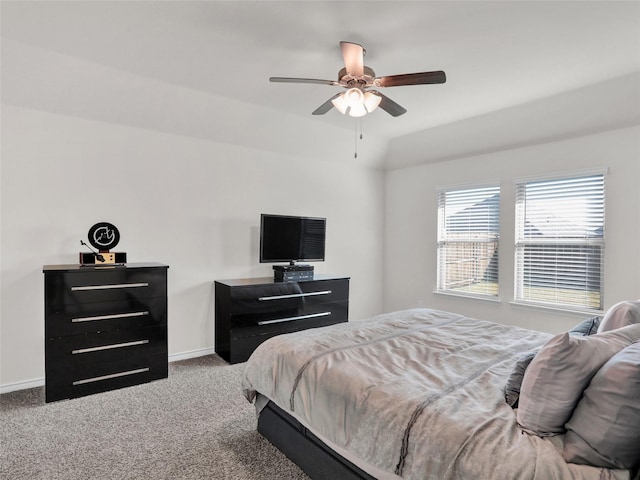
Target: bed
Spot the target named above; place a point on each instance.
(417, 394)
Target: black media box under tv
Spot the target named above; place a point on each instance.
(292, 273)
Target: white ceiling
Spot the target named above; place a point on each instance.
(496, 54)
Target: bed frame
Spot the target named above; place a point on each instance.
(304, 448)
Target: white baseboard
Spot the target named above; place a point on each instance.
(12, 387)
(39, 382)
(175, 357)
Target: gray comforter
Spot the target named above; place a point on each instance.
(417, 393)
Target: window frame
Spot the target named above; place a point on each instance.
(478, 241)
(567, 249)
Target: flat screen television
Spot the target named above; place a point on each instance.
(285, 238)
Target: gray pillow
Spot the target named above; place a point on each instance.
(514, 382)
(554, 381)
(620, 315)
(586, 327)
(604, 430)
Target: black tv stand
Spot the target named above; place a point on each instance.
(251, 310)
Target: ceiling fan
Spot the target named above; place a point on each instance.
(358, 79)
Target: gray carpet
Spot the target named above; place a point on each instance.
(194, 425)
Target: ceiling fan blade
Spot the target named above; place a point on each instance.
(389, 106)
(301, 80)
(422, 78)
(353, 55)
(326, 106)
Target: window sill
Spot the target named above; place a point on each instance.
(577, 312)
(480, 298)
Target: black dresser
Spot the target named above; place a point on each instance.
(105, 327)
(251, 310)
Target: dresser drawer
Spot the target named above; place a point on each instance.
(104, 284)
(246, 340)
(116, 315)
(281, 297)
(106, 376)
(283, 317)
(78, 355)
(314, 317)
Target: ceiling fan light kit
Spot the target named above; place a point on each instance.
(357, 78)
(356, 102)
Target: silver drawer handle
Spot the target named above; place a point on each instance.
(109, 317)
(294, 295)
(109, 287)
(113, 375)
(289, 319)
(109, 347)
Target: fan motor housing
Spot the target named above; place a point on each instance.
(355, 81)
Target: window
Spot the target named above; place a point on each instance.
(468, 234)
(559, 251)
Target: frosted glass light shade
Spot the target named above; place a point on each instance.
(354, 97)
(371, 101)
(358, 110)
(340, 103)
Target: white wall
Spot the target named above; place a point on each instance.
(181, 191)
(184, 175)
(411, 220)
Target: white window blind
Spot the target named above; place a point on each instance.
(559, 250)
(468, 237)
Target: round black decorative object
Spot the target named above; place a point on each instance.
(104, 236)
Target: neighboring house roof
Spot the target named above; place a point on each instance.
(484, 216)
(481, 217)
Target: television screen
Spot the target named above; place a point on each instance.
(288, 239)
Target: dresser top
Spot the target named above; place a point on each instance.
(87, 268)
(240, 282)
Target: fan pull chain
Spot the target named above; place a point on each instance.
(356, 136)
(355, 141)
